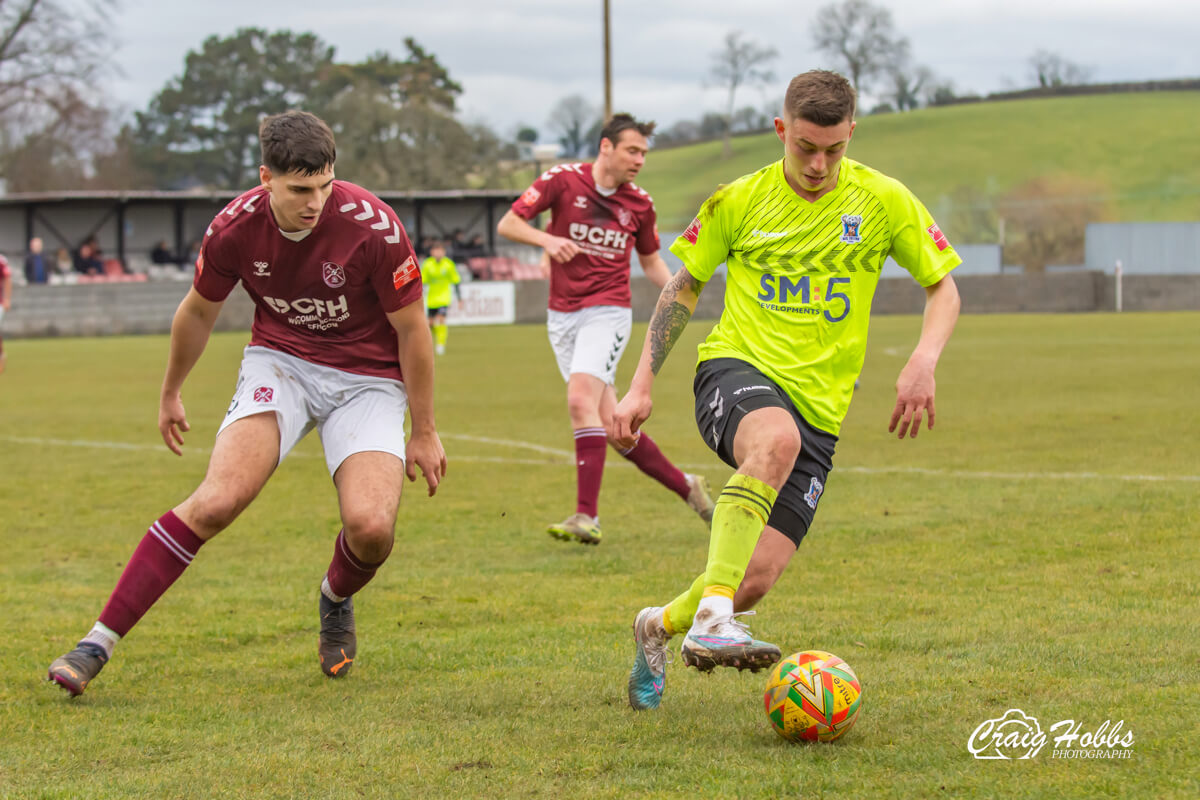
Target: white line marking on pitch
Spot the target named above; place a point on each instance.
(565, 458)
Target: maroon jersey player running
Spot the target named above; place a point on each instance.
(598, 216)
(339, 343)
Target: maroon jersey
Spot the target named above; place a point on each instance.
(5, 272)
(323, 298)
(606, 228)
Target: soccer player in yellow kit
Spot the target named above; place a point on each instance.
(440, 274)
(804, 239)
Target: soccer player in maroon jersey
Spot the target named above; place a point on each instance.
(339, 343)
(598, 216)
(5, 302)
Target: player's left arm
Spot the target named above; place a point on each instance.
(655, 268)
(915, 386)
(416, 362)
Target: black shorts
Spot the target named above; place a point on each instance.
(433, 312)
(727, 389)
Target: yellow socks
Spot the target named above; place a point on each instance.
(741, 514)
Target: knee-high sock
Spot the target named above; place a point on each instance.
(161, 557)
(441, 333)
(347, 572)
(650, 460)
(590, 447)
(741, 514)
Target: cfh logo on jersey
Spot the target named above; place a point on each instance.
(938, 237)
(262, 269)
(264, 394)
(815, 487)
(624, 216)
(692, 232)
(333, 275)
(406, 273)
(605, 237)
(580, 201)
(850, 225)
(531, 196)
(315, 306)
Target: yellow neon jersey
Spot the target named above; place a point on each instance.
(440, 275)
(801, 275)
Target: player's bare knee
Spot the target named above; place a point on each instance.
(370, 535)
(211, 513)
(581, 407)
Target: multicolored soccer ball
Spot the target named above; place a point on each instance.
(812, 696)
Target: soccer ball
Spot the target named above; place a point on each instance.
(812, 696)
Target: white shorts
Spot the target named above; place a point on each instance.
(590, 340)
(352, 413)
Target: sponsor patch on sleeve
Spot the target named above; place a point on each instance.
(406, 273)
(692, 232)
(938, 237)
(200, 262)
(531, 196)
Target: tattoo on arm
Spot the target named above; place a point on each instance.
(670, 318)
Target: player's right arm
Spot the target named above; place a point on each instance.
(558, 248)
(675, 305)
(190, 329)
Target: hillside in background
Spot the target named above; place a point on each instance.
(1130, 157)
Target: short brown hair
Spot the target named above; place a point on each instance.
(820, 96)
(620, 123)
(296, 141)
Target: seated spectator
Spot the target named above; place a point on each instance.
(35, 263)
(63, 266)
(193, 255)
(475, 247)
(87, 259)
(161, 254)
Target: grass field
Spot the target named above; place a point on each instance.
(1037, 550)
(1138, 149)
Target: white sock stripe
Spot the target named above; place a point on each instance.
(582, 432)
(176, 549)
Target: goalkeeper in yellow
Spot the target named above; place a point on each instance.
(804, 239)
(440, 274)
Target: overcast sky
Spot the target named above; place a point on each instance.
(516, 58)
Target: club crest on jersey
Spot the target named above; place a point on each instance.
(531, 196)
(692, 232)
(815, 487)
(262, 269)
(851, 223)
(580, 201)
(624, 216)
(407, 272)
(333, 275)
(264, 394)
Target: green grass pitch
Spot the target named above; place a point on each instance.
(1036, 550)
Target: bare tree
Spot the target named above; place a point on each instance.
(51, 60)
(1050, 69)
(573, 119)
(906, 82)
(861, 38)
(739, 63)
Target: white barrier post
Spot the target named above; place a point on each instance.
(1117, 276)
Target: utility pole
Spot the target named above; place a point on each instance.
(607, 66)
